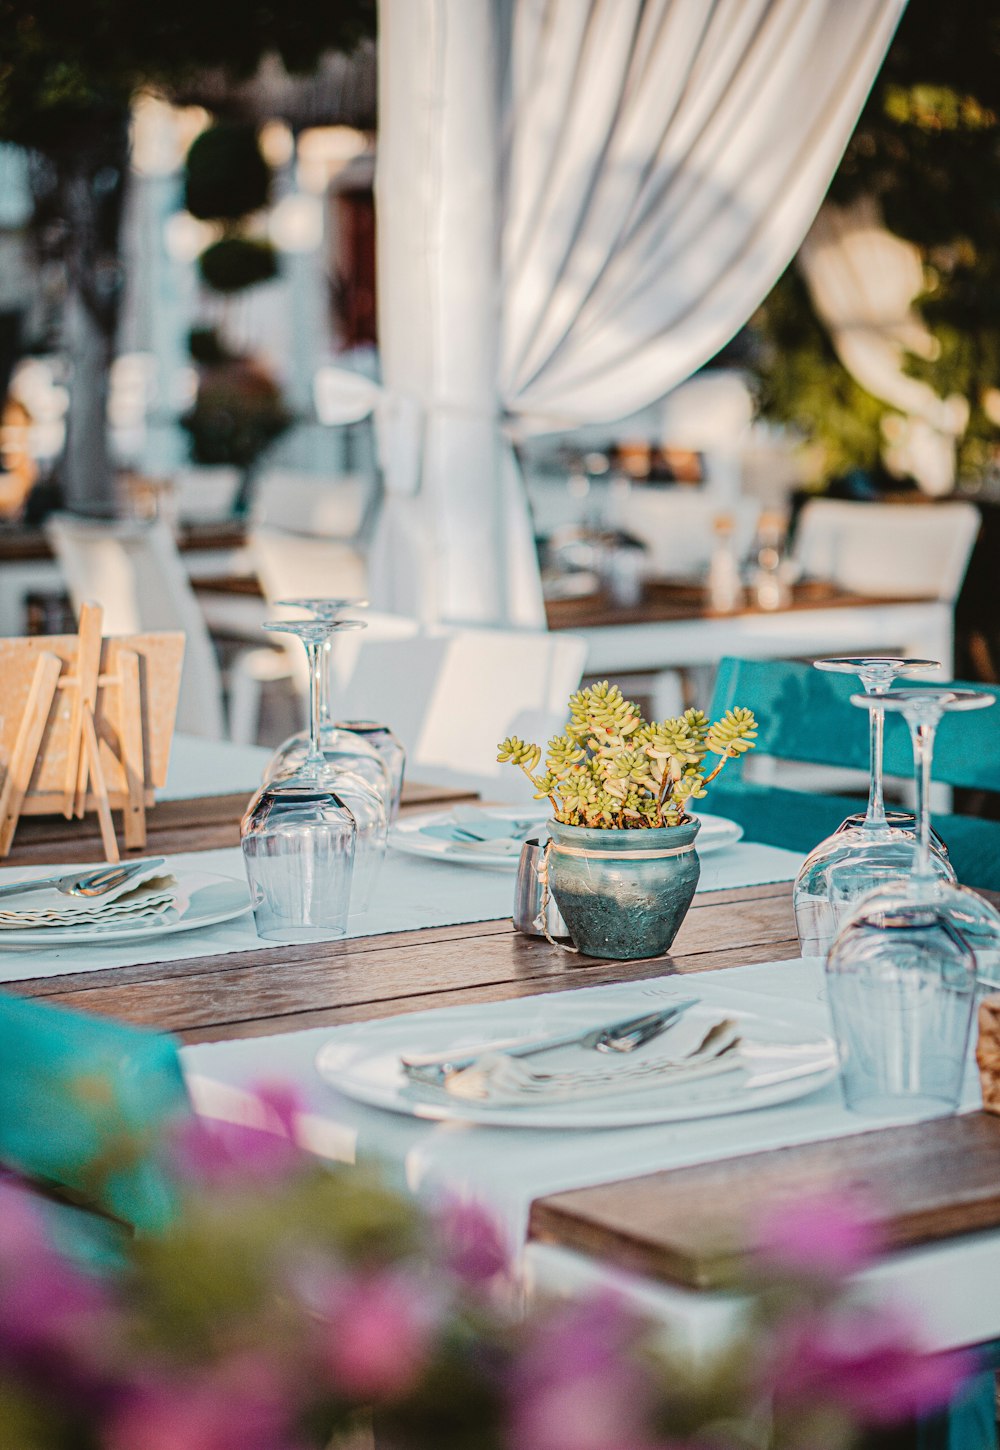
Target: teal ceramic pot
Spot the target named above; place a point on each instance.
(623, 894)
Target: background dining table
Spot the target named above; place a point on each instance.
(603, 1207)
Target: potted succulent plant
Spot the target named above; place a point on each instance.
(621, 862)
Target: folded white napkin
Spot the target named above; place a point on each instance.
(148, 894)
(691, 1049)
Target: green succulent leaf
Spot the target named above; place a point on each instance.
(613, 770)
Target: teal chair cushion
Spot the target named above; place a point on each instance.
(806, 715)
(798, 821)
(84, 1102)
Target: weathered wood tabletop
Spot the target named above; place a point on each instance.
(281, 988)
(934, 1180)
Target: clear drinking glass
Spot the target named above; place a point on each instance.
(340, 772)
(901, 974)
(299, 839)
(389, 747)
(861, 854)
(298, 849)
(340, 746)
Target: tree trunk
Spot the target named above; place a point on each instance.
(87, 192)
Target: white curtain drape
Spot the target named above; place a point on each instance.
(579, 202)
(863, 281)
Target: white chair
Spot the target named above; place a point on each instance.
(289, 566)
(305, 503)
(451, 694)
(135, 573)
(676, 525)
(205, 495)
(887, 550)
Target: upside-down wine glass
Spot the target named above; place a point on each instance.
(901, 974)
(340, 745)
(389, 747)
(339, 772)
(867, 851)
(299, 838)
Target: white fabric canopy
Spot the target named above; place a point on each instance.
(579, 202)
(862, 281)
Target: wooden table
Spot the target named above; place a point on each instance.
(27, 564)
(673, 628)
(621, 1233)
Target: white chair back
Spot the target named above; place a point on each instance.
(136, 575)
(451, 694)
(294, 565)
(888, 550)
(205, 495)
(677, 527)
(306, 503)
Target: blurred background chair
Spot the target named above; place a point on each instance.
(805, 714)
(307, 503)
(136, 574)
(887, 550)
(83, 1103)
(289, 566)
(677, 527)
(205, 495)
(452, 694)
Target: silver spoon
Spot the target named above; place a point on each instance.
(86, 883)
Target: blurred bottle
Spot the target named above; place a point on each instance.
(725, 587)
(771, 583)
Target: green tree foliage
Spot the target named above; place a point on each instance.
(927, 146)
(60, 63)
(67, 76)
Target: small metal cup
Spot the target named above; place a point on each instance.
(528, 895)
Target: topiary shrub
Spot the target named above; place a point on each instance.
(226, 175)
(234, 263)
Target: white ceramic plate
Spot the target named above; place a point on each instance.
(363, 1064)
(411, 836)
(210, 900)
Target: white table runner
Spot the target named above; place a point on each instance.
(212, 767)
(507, 1168)
(411, 894)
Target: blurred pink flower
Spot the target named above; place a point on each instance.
(822, 1235)
(863, 1360)
(53, 1310)
(209, 1151)
(376, 1333)
(472, 1245)
(576, 1386)
(234, 1405)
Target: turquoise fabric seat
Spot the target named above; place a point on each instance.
(84, 1102)
(806, 715)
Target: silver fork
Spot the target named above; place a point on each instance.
(87, 883)
(614, 1037)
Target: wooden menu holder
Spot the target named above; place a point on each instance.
(86, 725)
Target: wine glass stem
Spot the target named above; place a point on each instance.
(923, 732)
(315, 692)
(875, 815)
(326, 685)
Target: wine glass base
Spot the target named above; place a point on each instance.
(288, 935)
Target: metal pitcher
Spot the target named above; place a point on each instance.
(528, 896)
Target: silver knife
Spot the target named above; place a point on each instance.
(435, 1066)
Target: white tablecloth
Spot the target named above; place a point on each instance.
(411, 894)
(507, 1168)
(212, 767)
